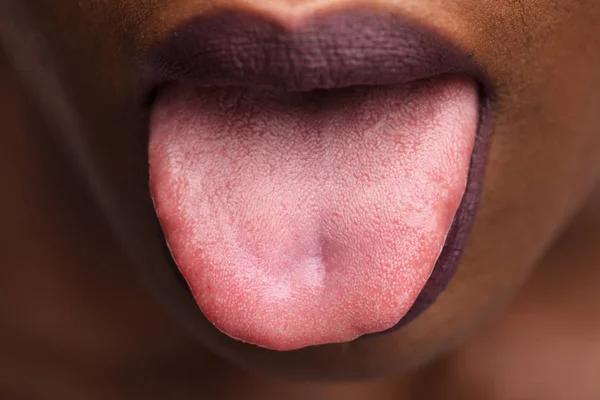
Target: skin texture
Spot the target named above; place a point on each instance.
(81, 244)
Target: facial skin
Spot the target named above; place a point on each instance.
(78, 68)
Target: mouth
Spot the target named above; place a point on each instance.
(315, 180)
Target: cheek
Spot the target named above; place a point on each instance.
(544, 157)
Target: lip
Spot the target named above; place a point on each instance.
(327, 51)
(322, 51)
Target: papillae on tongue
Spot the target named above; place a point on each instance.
(300, 219)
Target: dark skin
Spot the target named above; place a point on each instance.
(518, 320)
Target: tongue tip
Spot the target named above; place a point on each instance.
(289, 331)
(284, 341)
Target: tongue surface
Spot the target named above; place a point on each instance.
(300, 219)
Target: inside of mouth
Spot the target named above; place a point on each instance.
(307, 218)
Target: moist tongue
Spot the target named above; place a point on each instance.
(300, 219)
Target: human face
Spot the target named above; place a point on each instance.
(528, 72)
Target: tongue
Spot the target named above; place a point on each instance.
(300, 219)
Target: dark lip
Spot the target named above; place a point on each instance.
(322, 51)
(326, 51)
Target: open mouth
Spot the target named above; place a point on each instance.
(315, 182)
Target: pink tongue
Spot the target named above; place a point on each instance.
(309, 218)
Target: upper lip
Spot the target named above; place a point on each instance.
(324, 51)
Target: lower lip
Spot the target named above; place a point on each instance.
(424, 291)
